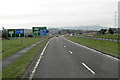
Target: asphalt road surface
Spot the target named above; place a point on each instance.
(64, 59)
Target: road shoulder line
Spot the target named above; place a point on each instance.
(34, 69)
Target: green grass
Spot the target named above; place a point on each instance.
(85, 35)
(10, 47)
(107, 36)
(20, 65)
(0, 56)
(100, 45)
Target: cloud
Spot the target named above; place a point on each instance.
(57, 12)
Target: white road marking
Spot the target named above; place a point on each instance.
(34, 70)
(70, 52)
(88, 68)
(92, 49)
(64, 46)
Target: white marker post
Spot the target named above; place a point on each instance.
(21, 38)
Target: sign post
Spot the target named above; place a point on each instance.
(20, 33)
(10, 34)
(118, 14)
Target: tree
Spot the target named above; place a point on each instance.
(103, 31)
(47, 31)
(4, 33)
(111, 31)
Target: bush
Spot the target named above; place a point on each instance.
(111, 31)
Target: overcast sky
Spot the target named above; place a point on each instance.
(56, 13)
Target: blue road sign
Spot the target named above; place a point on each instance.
(43, 32)
(19, 31)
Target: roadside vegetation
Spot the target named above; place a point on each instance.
(103, 33)
(17, 68)
(10, 47)
(106, 36)
(107, 47)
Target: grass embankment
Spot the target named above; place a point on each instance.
(106, 36)
(85, 35)
(100, 45)
(0, 48)
(20, 65)
(0, 56)
(10, 47)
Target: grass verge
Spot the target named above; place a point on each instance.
(10, 47)
(107, 47)
(106, 36)
(20, 65)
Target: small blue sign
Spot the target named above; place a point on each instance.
(19, 31)
(43, 32)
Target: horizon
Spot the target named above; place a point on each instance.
(82, 27)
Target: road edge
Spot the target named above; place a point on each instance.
(38, 61)
(110, 56)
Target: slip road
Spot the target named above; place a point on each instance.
(64, 59)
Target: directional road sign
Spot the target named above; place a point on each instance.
(39, 31)
(43, 32)
(12, 33)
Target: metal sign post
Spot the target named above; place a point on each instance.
(11, 33)
(21, 38)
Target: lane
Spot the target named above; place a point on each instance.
(57, 62)
(104, 66)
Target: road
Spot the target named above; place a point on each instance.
(64, 59)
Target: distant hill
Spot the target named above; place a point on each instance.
(28, 31)
(91, 27)
(53, 30)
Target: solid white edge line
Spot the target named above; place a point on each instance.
(70, 52)
(91, 49)
(34, 70)
(88, 68)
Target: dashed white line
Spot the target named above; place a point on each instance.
(33, 72)
(88, 68)
(70, 52)
(64, 46)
